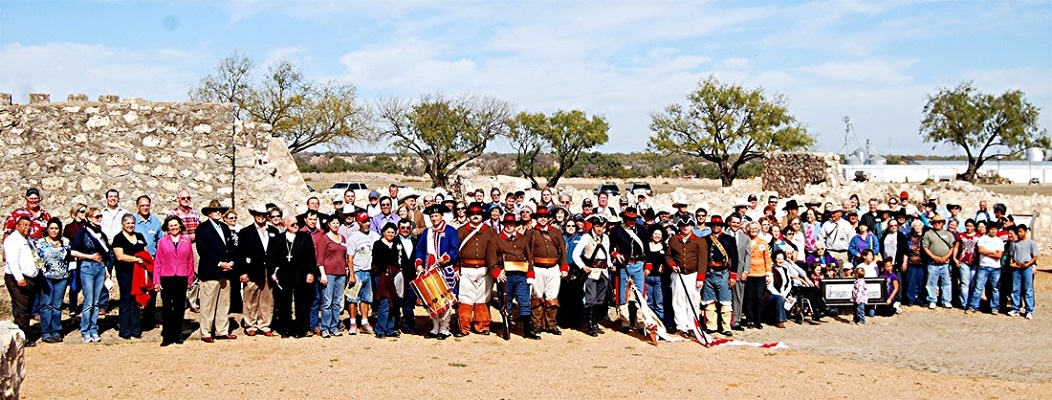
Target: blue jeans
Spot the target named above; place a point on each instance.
(315, 306)
(1023, 282)
(519, 290)
(993, 275)
(939, 279)
(654, 295)
(385, 320)
(366, 293)
(860, 313)
(632, 271)
(716, 287)
(778, 303)
(332, 303)
(408, 306)
(914, 277)
(967, 275)
(51, 300)
(92, 276)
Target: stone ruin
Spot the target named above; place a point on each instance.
(74, 151)
(789, 173)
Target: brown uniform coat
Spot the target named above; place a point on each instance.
(545, 248)
(691, 256)
(482, 245)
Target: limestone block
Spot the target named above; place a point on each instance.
(130, 117)
(98, 121)
(52, 183)
(39, 98)
(77, 97)
(90, 184)
(203, 128)
(5, 99)
(13, 365)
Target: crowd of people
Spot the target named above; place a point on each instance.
(545, 264)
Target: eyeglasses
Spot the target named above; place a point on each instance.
(461, 209)
(404, 228)
(184, 197)
(96, 216)
(293, 224)
(232, 218)
(275, 216)
(144, 205)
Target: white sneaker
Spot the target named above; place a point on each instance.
(931, 306)
(1013, 313)
(1030, 315)
(947, 305)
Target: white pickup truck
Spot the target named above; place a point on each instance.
(338, 188)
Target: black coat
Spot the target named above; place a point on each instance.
(212, 250)
(252, 259)
(294, 270)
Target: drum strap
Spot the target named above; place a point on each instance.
(471, 235)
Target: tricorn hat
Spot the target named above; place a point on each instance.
(436, 208)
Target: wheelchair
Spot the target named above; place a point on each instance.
(802, 306)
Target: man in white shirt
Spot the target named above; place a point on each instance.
(990, 248)
(753, 212)
(836, 234)
(112, 214)
(21, 274)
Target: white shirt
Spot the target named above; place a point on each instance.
(986, 242)
(407, 246)
(19, 257)
(111, 222)
(360, 245)
(837, 235)
(264, 237)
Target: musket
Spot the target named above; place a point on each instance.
(503, 286)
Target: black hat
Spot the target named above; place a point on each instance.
(32, 191)
(587, 202)
(596, 219)
(752, 197)
(813, 203)
(791, 205)
(685, 222)
(629, 213)
(649, 214)
(436, 209)
(475, 208)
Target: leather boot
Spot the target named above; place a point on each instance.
(589, 317)
(551, 313)
(725, 314)
(537, 312)
(464, 315)
(482, 318)
(598, 312)
(708, 314)
(527, 328)
(633, 312)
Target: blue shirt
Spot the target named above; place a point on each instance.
(150, 228)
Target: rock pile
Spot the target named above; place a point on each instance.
(789, 174)
(76, 150)
(13, 362)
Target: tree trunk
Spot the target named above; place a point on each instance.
(727, 173)
(969, 174)
(554, 180)
(534, 184)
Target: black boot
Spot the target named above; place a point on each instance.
(589, 317)
(598, 312)
(527, 328)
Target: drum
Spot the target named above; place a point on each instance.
(433, 291)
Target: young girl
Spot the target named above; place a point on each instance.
(868, 263)
(858, 296)
(891, 306)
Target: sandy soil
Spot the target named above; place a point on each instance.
(922, 354)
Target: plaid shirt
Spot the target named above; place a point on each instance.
(190, 219)
(36, 230)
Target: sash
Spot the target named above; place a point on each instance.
(719, 246)
(471, 235)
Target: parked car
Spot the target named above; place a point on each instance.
(609, 188)
(360, 189)
(639, 188)
(1035, 181)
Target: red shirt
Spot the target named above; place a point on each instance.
(36, 230)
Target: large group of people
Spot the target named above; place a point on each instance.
(545, 264)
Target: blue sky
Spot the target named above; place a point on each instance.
(873, 61)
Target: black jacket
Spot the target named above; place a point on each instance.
(252, 260)
(294, 270)
(213, 249)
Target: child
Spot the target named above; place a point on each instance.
(868, 263)
(858, 296)
(1024, 256)
(891, 306)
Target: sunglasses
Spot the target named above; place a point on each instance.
(81, 211)
(461, 209)
(97, 216)
(185, 198)
(276, 216)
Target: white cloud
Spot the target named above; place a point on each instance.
(67, 68)
(871, 71)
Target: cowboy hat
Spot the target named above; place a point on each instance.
(542, 212)
(258, 209)
(214, 205)
(791, 205)
(716, 220)
(629, 213)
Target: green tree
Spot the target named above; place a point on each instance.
(303, 113)
(565, 134)
(984, 125)
(727, 125)
(444, 133)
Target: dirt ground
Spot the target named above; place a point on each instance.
(923, 354)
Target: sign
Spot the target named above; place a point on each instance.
(837, 292)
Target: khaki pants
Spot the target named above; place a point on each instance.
(258, 305)
(215, 307)
(193, 293)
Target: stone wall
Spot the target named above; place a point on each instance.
(77, 150)
(13, 360)
(789, 174)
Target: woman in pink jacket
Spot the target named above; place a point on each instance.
(173, 271)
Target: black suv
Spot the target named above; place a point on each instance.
(608, 188)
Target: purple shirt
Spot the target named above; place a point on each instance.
(379, 220)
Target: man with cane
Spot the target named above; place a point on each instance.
(687, 254)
